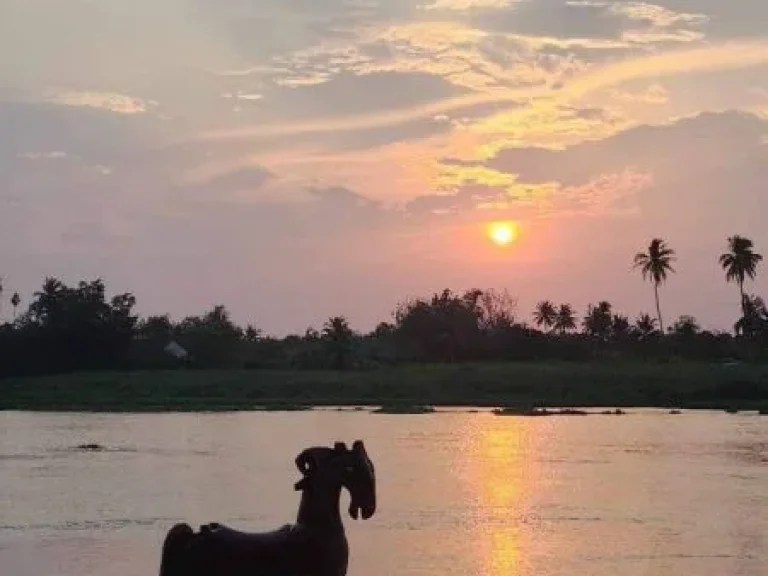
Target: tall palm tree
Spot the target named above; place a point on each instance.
(545, 314)
(565, 321)
(15, 301)
(739, 263)
(654, 265)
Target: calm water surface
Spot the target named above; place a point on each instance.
(459, 493)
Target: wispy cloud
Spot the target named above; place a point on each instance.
(655, 15)
(651, 23)
(654, 94)
(735, 55)
(462, 5)
(118, 103)
(242, 96)
(54, 155)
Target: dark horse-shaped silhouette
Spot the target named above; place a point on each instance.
(314, 546)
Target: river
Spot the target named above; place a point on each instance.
(459, 493)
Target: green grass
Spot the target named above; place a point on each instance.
(522, 385)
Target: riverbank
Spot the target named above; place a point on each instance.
(523, 385)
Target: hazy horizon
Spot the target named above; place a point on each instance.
(296, 160)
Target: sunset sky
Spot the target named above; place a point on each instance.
(297, 159)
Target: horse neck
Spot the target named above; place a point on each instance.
(319, 508)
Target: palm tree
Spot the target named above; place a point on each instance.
(620, 327)
(15, 301)
(754, 318)
(598, 320)
(686, 326)
(741, 261)
(655, 264)
(565, 321)
(339, 335)
(645, 326)
(545, 314)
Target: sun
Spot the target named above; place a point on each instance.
(502, 233)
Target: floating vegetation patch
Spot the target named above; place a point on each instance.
(283, 408)
(516, 411)
(403, 409)
(92, 447)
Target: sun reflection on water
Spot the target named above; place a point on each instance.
(500, 476)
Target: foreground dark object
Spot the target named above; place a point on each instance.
(314, 546)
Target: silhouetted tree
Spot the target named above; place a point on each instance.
(384, 330)
(211, 340)
(599, 320)
(620, 328)
(739, 263)
(565, 320)
(655, 264)
(496, 309)
(339, 336)
(445, 328)
(686, 326)
(252, 334)
(754, 322)
(77, 328)
(545, 315)
(15, 301)
(645, 326)
(44, 304)
(157, 328)
(311, 334)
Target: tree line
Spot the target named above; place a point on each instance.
(71, 328)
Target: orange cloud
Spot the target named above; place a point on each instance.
(726, 56)
(118, 103)
(462, 5)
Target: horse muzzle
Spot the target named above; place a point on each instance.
(363, 509)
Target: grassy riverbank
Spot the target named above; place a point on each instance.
(690, 385)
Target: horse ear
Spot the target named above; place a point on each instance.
(358, 446)
(303, 461)
(340, 447)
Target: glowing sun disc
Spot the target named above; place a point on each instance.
(502, 233)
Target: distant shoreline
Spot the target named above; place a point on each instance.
(403, 389)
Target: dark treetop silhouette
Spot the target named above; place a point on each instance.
(67, 329)
(315, 545)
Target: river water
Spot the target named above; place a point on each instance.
(647, 493)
